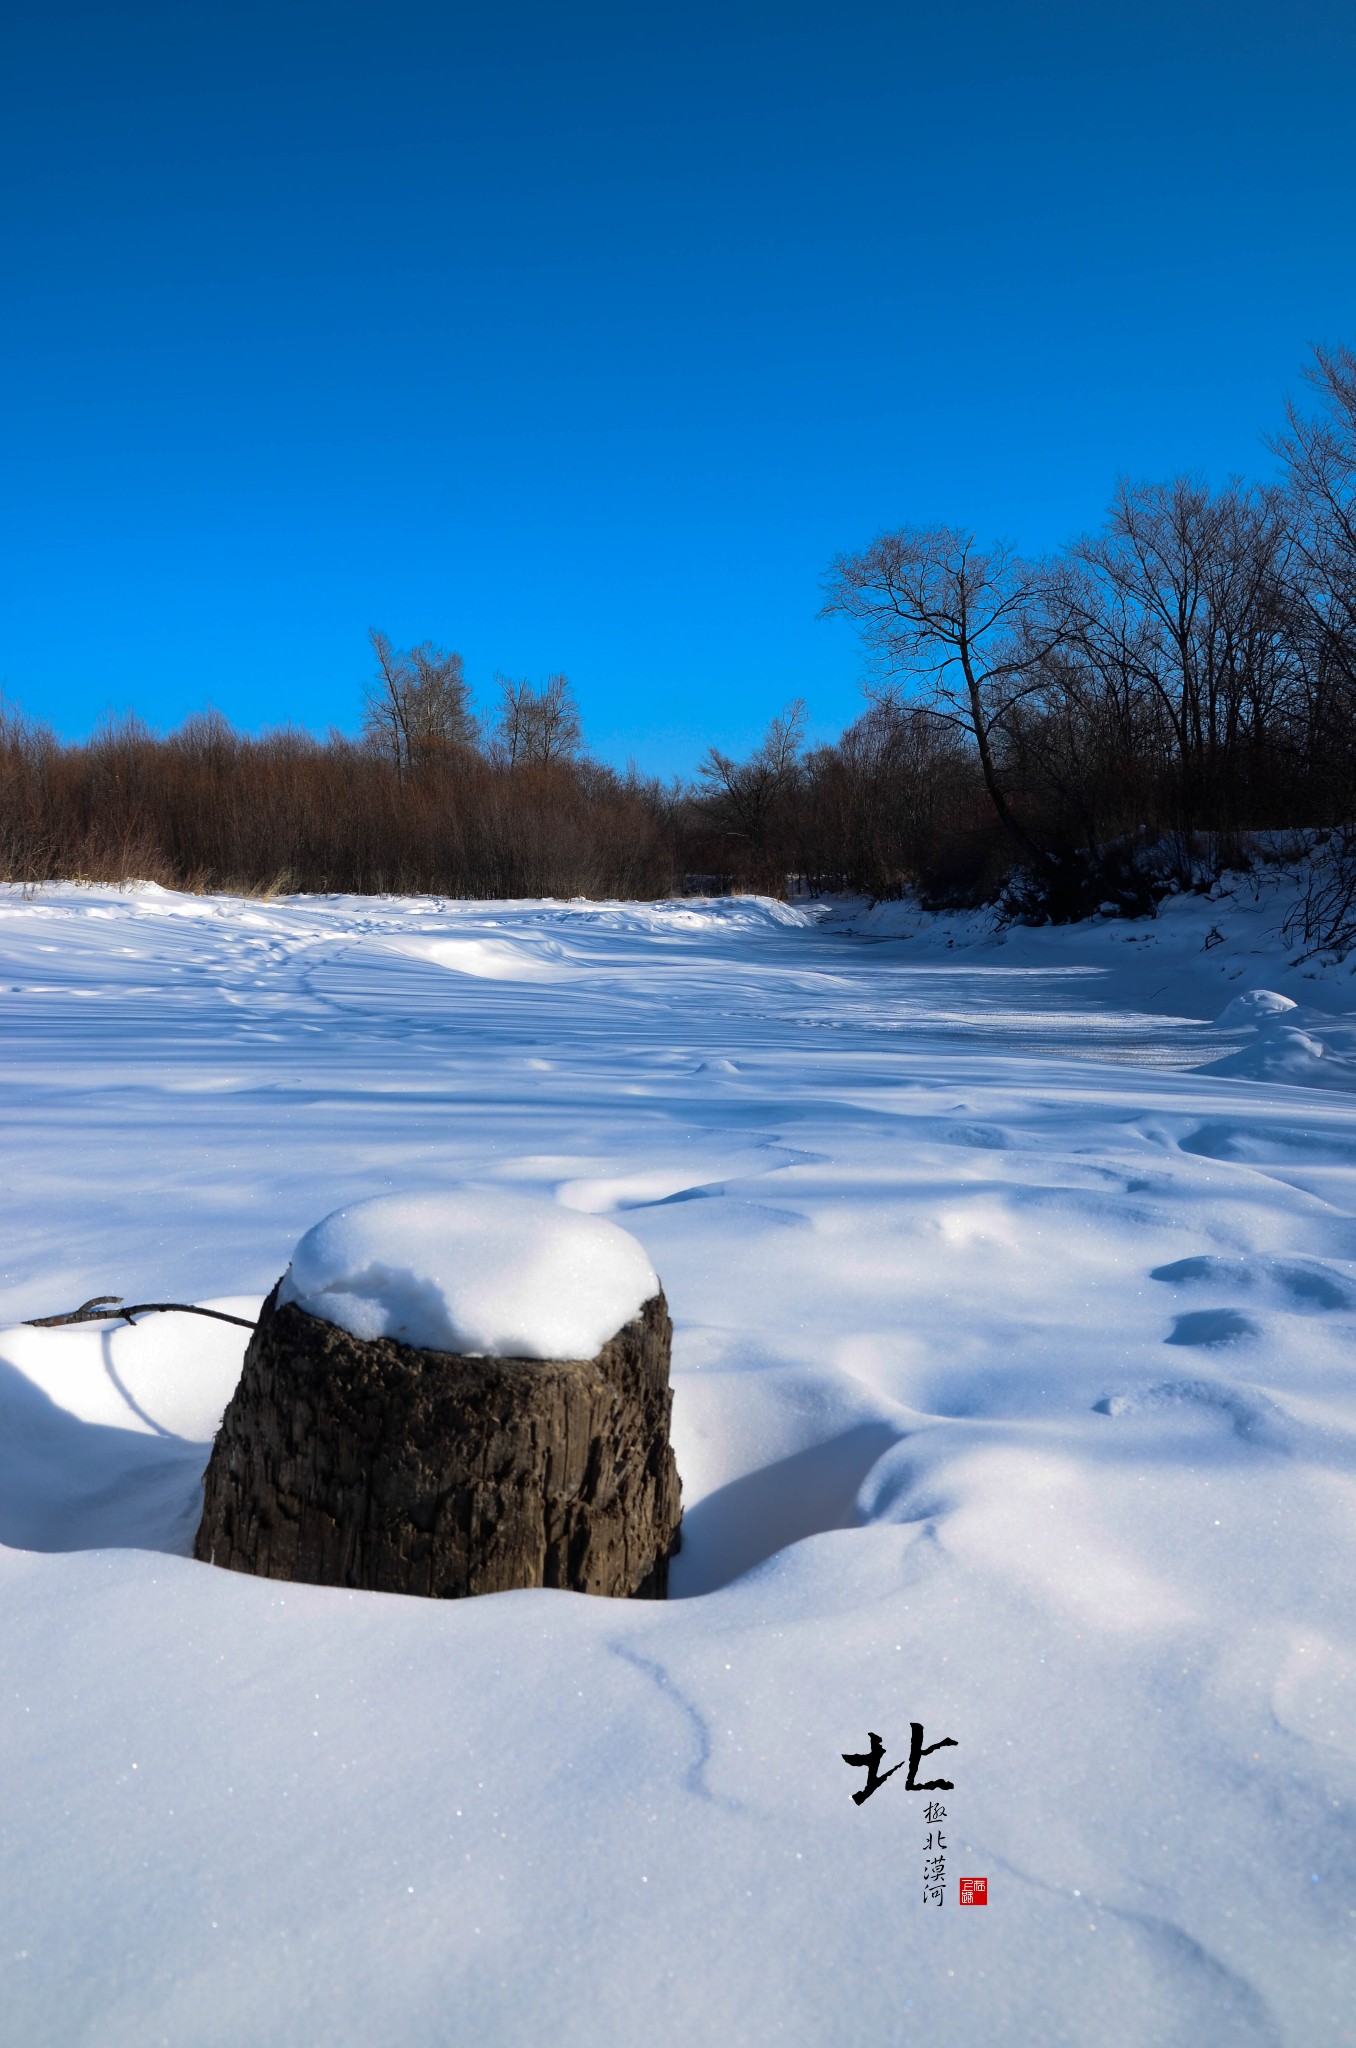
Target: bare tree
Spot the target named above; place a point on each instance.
(1319, 453)
(559, 733)
(882, 803)
(972, 630)
(1185, 603)
(418, 704)
(742, 796)
(514, 717)
(539, 728)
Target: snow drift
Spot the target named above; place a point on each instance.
(1013, 1396)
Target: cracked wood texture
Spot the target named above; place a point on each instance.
(345, 1462)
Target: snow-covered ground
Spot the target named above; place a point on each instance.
(1014, 1302)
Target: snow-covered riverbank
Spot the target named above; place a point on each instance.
(1015, 1396)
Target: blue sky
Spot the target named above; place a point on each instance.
(580, 337)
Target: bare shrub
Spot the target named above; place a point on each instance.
(1323, 920)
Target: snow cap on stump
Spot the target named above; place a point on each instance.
(477, 1272)
(453, 1394)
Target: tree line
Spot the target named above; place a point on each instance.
(1055, 732)
(1187, 675)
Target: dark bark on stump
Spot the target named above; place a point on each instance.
(344, 1462)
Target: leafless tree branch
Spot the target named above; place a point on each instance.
(108, 1308)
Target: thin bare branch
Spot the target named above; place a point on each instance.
(108, 1308)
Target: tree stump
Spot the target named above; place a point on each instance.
(350, 1462)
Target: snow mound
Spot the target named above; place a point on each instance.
(1250, 1413)
(484, 1274)
(487, 959)
(1301, 1286)
(1252, 1008)
(1284, 1053)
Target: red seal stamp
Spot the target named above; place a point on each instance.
(974, 1891)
